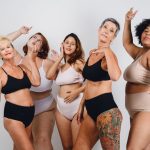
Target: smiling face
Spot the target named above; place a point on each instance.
(6, 49)
(107, 32)
(145, 37)
(69, 46)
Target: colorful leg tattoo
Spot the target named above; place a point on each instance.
(109, 125)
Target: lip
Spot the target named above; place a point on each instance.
(146, 38)
(7, 54)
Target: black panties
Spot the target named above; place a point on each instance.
(97, 105)
(24, 114)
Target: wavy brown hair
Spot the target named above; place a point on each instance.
(43, 53)
(78, 54)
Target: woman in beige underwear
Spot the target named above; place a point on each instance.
(43, 122)
(137, 76)
(70, 81)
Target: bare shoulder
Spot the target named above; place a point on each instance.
(80, 64)
(1, 72)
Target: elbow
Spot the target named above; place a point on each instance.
(49, 77)
(36, 83)
(116, 76)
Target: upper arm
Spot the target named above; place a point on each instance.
(80, 64)
(132, 49)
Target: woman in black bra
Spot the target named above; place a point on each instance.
(15, 82)
(104, 119)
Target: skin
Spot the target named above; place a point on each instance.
(68, 132)
(140, 122)
(89, 131)
(43, 123)
(19, 134)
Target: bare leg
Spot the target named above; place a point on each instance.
(42, 130)
(87, 136)
(109, 125)
(64, 128)
(18, 134)
(139, 135)
(75, 128)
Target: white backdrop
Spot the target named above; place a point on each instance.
(57, 18)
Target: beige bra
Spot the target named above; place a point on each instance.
(136, 73)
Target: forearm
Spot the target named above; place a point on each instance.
(81, 89)
(127, 34)
(14, 35)
(54, 68)
(36, 79)
(112, 65)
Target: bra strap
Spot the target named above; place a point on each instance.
(4, 70)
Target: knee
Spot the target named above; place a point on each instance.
(42, 139)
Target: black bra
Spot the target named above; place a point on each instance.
(13, 84)
(95, 72)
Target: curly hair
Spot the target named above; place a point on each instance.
(43, 53)
(139, 29)
(113, 21)
(78, 54)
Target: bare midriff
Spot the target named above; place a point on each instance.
(64, 89)
(94, 89)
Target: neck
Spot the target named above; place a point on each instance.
(10, 63)
(103, 45)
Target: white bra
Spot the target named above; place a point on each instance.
(45, 83)
(68, 76)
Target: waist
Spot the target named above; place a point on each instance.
(40, 95)
(94, 89)
(64, 90)
(20, 99)
(136, 88)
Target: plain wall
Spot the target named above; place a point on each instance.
(57, 18)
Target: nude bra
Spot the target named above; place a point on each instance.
(68, 76)
(136, 73)
(14, 84)
(45, 83)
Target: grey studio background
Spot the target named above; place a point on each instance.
(57, 18)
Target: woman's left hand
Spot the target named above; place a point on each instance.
(32, 52)
(54, 55)
(71, 96)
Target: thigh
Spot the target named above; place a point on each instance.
(75, 128)
(64, 128)
(109, 125)
(88, 134)
(139, 135)
(43, 124)
(18, 134)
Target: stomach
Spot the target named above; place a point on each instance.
(65, 89)
(21, 97)
(94, 89)
(132, 88)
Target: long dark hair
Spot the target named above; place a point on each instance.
(78, 54)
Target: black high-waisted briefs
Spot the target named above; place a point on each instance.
(24, 114)
(97, 105)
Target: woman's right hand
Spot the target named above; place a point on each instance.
(80, 113)
(24, 29)
(62, 50)
(130, 14)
